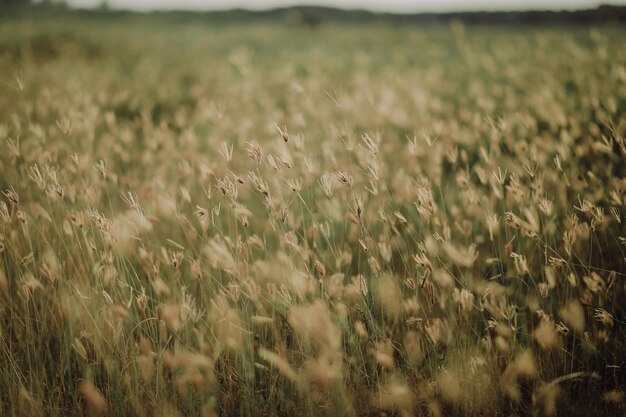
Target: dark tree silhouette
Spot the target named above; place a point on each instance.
(10, 4)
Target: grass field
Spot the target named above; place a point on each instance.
(265, 219)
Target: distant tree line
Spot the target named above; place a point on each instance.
(313, 16)
(42, 4)
(14, 3)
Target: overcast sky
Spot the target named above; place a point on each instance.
(376, 5)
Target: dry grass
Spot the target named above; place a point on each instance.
(265, 220)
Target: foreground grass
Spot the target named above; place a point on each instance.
(266, 220)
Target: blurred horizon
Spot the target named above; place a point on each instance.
(390, 6)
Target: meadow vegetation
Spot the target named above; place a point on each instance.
(262, 219)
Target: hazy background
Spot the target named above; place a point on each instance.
(399, 6)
